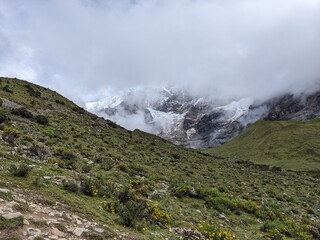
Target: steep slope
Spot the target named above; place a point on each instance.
(91, 179)
(290, 145)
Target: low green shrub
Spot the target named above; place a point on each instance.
(248, 206)
(7, 88)
(21, 170)
(141, 187)
(222, 202)
(10, 223)
(37, 181)
(21, 207)
(10, 135)
(89, 187)
(65, 153)
(61, 163)
(43, 120)
(107, 165)
(203, 192)
(93, 236)
(33, 92)
(131, 212)
(122, 167)
(110, 188)
(22, 112)
(175, 155)
(78, 110)
(51, 132)
(61, 227)
(182, 190)
(137, 169)
(112, 124)
(70, 186)
(60, 102)
(126, 195)
(38, 150)
(111, 205)
(86, 168)
(4, 118)
(277, 229)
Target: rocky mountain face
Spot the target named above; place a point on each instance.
(200, 122)
(294, 107)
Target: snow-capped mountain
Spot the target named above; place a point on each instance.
(176, 115)
(198, 122)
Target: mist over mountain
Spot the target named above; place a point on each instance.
(226, 49)
(199, 122)
(233, 55)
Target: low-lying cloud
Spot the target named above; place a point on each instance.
(226, 49)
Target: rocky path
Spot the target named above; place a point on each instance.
(35, 219)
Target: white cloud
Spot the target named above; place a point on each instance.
(228, 49)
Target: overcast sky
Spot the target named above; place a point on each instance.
(225, 48)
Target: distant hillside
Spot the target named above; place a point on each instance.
(291, 145)
(68, 174)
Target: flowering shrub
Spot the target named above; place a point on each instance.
(158, 216)
(212, 232)
(89, 188)
(111, 206)
(141, 187)
(10, 135)
(122, 167)
(278, 227)
(61, 163)
(282, 229)
(181, 190)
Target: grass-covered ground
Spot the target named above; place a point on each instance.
(141, 184)
(290, 145)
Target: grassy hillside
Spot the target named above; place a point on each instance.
(290, 145)
(136, 185)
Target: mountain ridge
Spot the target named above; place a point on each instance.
(199, 122)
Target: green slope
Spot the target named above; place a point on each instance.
(140, 184)
(288, 144)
